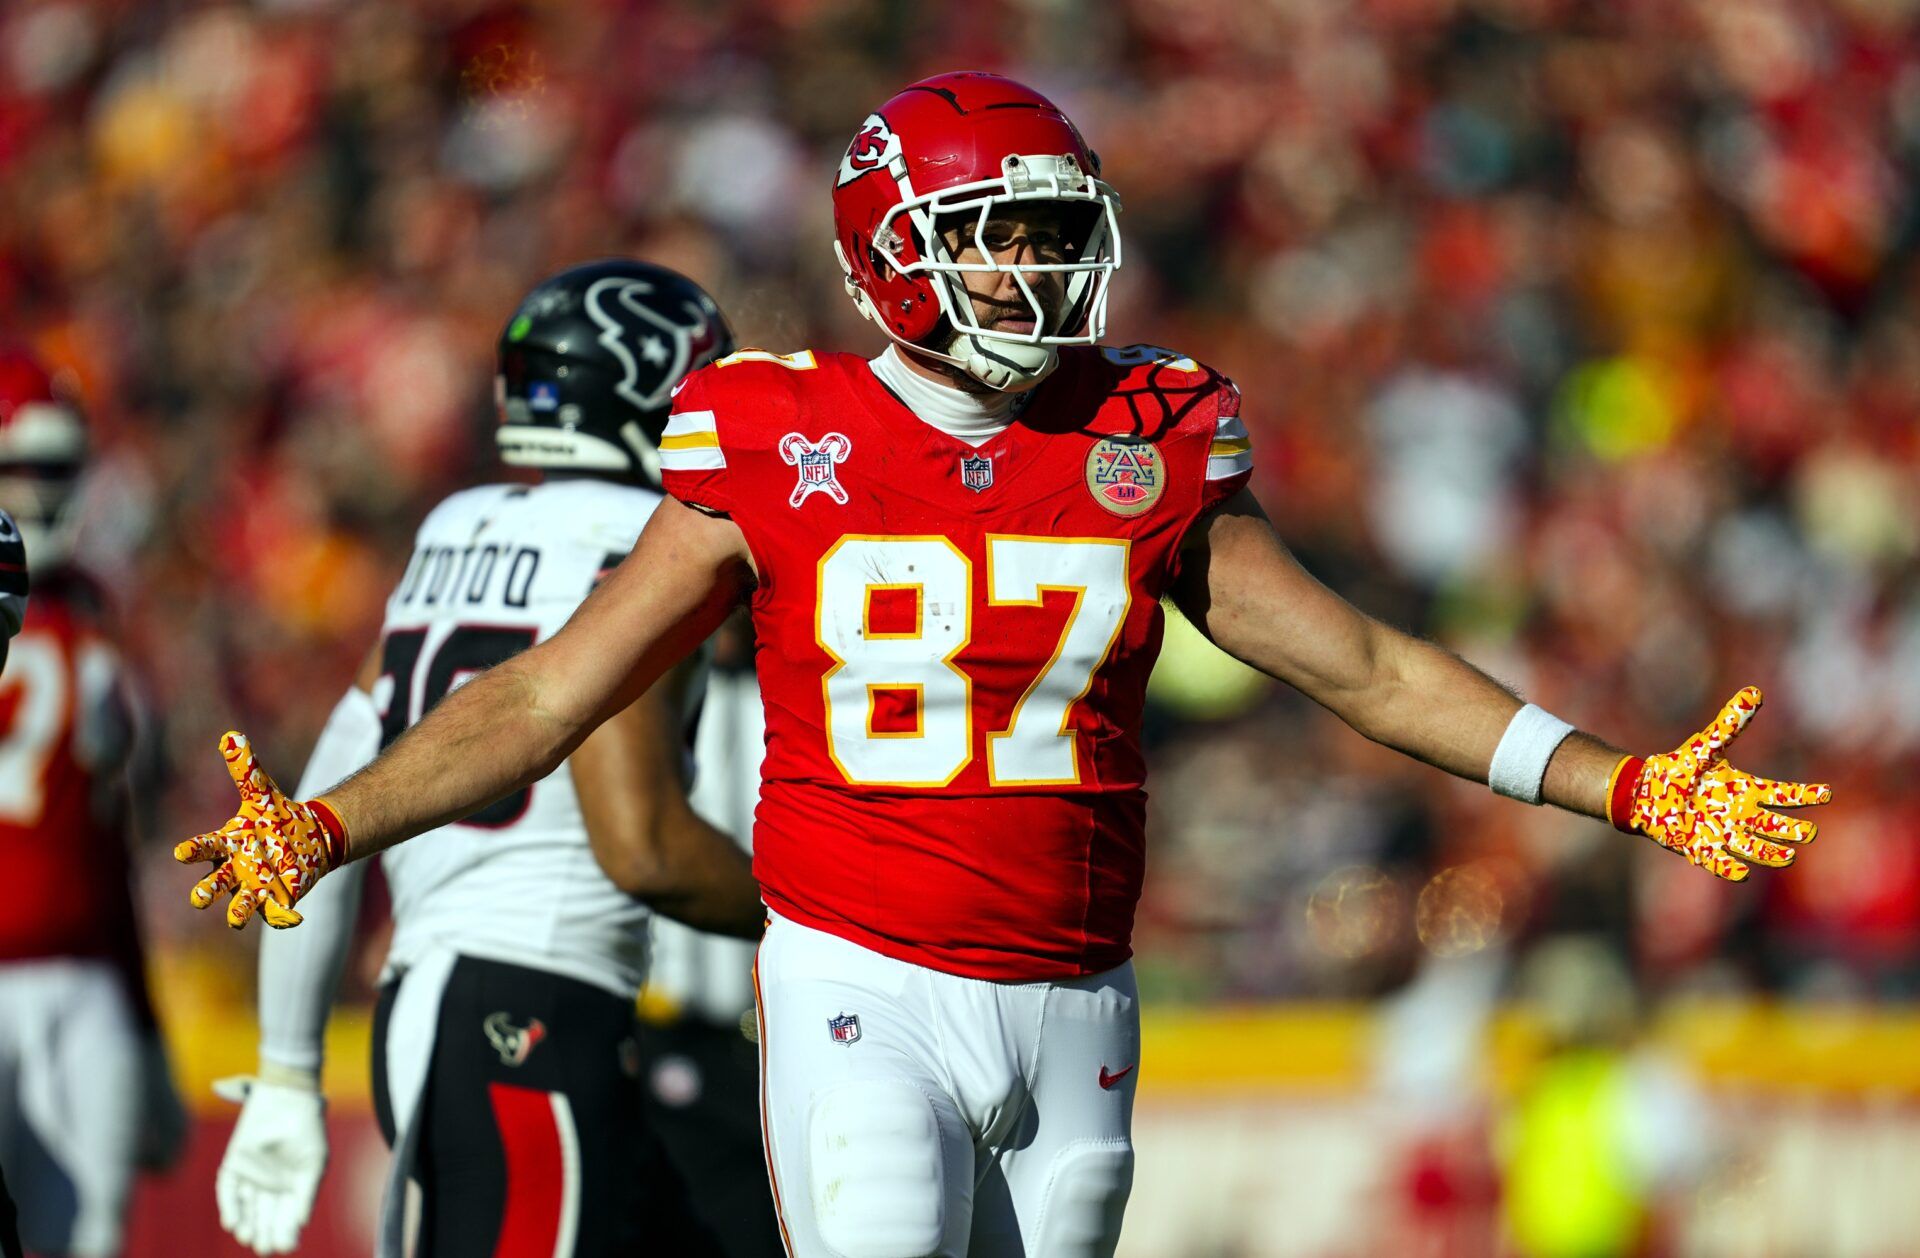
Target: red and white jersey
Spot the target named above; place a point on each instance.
(64, 736)
(955, 641)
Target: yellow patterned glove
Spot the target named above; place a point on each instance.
(1695, 803)
(273, 850)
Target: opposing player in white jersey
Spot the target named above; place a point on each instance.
(506, 1075)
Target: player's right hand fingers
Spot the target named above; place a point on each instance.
(247, 775)
(245, 901)
(278, 915)
(202, 847)
(208, 889)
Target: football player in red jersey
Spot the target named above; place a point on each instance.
(955, 555)
(87, 1094)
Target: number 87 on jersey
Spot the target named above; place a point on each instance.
(946, 617)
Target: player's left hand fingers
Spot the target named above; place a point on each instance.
(1781, 829)
(1761, 851)
(1792, 794)
(1711, 741)
(1716, 859)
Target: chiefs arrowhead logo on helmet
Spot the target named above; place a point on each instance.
(874, 145)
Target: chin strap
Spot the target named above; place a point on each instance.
(1006, 366)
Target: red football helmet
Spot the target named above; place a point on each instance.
(971, 144)
(43, 446)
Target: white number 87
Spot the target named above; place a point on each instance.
(1038, 745)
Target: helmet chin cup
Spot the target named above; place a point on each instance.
(1005, 366)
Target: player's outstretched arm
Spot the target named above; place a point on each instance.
(515, 723)
(507, 728)
(631, 780)
(1245, 590)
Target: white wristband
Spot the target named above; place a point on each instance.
(1520, 761)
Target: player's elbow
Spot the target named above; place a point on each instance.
(534, 700)
(637, 854)
(1364, 685)
(1382, 683)
(642, 874)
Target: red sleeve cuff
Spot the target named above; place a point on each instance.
(336, 832)
(1620, 788)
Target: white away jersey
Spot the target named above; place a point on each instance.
(494, 570)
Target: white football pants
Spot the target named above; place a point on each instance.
(70, 1103)
(909, 1112)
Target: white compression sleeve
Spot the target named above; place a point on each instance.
(1520, 761)
(300, 967)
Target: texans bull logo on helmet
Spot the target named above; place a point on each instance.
(627, 322)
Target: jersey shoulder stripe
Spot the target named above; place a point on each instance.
(1231, 453)
(691, 443)
(729, 411)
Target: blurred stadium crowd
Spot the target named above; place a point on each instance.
(1582, 336)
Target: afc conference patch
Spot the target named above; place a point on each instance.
(844, 1029)
(1125, 477)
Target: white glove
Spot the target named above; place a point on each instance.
(271, 1172)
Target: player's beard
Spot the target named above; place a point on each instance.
(991, 314)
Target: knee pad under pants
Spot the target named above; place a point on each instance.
(877, 1171)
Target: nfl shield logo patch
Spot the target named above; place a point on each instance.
(976, 472)
(816, 461)
(844, 1029)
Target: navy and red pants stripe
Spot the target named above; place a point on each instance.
(534, 1140)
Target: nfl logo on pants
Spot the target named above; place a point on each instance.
(845, 1029)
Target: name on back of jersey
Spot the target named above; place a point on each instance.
(496, 573)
